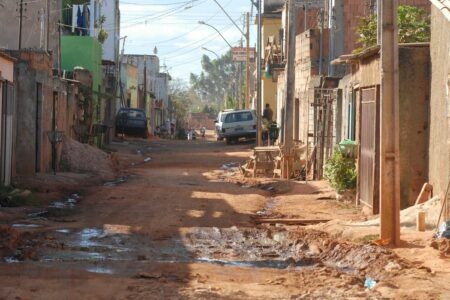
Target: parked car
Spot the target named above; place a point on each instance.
(131, 121)
(232, 125)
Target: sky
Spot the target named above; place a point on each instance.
(172, 27)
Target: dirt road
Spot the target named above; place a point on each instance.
(179, 222)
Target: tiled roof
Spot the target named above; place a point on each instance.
(443, 6)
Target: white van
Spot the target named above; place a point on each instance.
(232, 125)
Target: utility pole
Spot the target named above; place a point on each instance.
(322, 22)
(290, 79)
(247, 64)
(389, 123)
(20, 23)
(145, 84)
(258, 71)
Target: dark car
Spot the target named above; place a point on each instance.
(131, 121)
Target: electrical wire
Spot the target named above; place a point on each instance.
(190, 31)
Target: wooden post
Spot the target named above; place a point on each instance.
(247, 64)
(290, 84)
(258, 68)
(389, 122)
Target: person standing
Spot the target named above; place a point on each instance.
(268, 113)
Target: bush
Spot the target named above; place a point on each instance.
(341, 172)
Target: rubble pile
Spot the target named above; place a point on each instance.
(82, 158)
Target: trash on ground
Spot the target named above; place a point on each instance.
(370, 283)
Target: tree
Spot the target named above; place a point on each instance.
(413, 27)
(183, 99)
(217, 83)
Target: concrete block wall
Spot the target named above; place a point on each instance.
(439, 141)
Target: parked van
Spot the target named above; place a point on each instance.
(232, 125)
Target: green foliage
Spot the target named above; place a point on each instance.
(183, 100)
(102, 34)
(413, 27)
(211, 110)
(10, 198)
(217, 82)
(341, 172)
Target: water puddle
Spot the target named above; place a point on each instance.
(62, 230)
(41, 215)
(86, 236)
(268, 208)
(26, 226)
(100, 270)
(272, 264)
(231, 166)
(11, 260)
(117, 181)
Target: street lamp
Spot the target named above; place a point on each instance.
(206, 49)
(247, 38)
(204, 23)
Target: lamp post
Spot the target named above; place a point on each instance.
(247, 39)
(206, 49)
(204, 23)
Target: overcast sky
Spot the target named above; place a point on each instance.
(172, 26)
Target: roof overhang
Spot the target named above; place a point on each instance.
(443, 6)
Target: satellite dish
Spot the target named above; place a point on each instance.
(155, 50)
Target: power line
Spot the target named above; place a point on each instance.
(190, 31)
(155, 4)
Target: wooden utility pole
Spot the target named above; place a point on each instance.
(389, 122)
(247, 64)
(290, 79)
(145, 84)
(259, 90)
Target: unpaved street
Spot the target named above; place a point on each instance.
(179, 222)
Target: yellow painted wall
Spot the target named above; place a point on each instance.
(271, 27)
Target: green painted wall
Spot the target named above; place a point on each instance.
(82, 51)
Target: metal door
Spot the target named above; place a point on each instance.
(368, 181)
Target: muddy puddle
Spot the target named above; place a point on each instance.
(115, 182)
(263, 247)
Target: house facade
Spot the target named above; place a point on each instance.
(359, 107)
(7, 105)
(439, 169)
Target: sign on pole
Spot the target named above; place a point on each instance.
(240, 53)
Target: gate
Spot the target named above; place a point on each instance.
(368, 165)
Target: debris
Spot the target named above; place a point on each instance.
(25, 193)
(425, 193)
(147, 159)
(391, 266)
(421, 220)
(302, 222)
(39, 215)
(444, 230)
(370, 283)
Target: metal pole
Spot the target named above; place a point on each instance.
(389, 124)
(204, 23)
(258, 68)
(206, 49)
